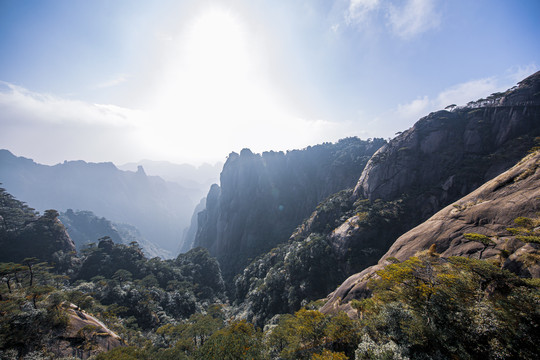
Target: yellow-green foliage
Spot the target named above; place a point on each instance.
(329, 355)
(529, 238)
(479, 238)
(431, 307)
(526, 229)
(530, 259)
(310, 334)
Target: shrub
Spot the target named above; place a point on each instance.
(479, 238)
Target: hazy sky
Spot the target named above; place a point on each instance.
(191, 81)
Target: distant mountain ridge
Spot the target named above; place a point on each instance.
(159, 209)
(187, 175)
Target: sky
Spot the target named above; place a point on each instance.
(191, 81)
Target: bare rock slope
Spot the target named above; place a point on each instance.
(84, 336)
(488, 211)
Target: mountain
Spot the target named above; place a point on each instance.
(84, 227)
(441, 239)
(189, 176)
(498, 221)
(443, 157)
(447, 154)
(26, 234)
(262, 198)
(159, 209)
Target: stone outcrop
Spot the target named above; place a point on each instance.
(489, 211)
(447, 154)
(84, 336)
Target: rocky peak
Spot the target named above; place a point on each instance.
(140, 170)
(447, 154)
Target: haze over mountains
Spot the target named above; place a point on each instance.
(160, 209)
(432, 231)
(189, 176)
(262, 198)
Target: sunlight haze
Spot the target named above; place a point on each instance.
(191, 81)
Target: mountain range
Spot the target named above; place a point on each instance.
(159, 209)
(423, 246)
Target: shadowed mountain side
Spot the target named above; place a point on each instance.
(262, 198)
(25, 234)
(489, 211)
(188, 237)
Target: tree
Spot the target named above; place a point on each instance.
(239, 340)
(428, 306)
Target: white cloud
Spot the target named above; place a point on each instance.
(459, 94)
(335, 28)
(414, 109)
(518, 73)
(413, 18)
(118, 79)
(472, 90)
(51, 129)
(19, 104)
(404, 19)
(359, 10)
(212, 97)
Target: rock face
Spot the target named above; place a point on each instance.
(447, 154)
(84, 336)
(159, 209)
(489, 211)
(262, 198)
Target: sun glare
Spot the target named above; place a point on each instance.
(211, 85)
(215, 97)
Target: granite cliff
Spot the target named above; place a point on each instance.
(489, 223)
(447, 154)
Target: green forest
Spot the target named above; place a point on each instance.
(426, 307)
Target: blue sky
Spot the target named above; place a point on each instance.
(191, 81)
